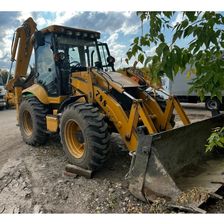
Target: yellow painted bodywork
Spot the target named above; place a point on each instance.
(75, 146)
(41, 94)
(21, 50)
(117, 115)
(145, 109)
(83, 83)
(10, 99)
(52, 123)
(18, 93)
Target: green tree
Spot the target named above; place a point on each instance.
(203, 36)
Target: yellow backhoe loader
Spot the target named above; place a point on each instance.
(76, 92)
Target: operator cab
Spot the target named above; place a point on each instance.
(61, 51)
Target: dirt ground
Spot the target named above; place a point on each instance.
(32, 179)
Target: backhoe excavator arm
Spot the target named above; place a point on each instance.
(21, 51)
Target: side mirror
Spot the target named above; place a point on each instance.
(110, 60)
(39, 38)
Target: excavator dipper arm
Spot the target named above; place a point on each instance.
(22, 46)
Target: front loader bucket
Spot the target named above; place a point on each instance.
(170, 163)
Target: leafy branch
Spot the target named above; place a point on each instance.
(196, 42)
(216, 139)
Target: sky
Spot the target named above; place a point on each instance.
(118, 28)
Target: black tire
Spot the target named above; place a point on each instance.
(32, 121)
(213, 104)
(94, 140)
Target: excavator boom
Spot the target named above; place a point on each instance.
(21, 50)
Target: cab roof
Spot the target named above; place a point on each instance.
(72, 31)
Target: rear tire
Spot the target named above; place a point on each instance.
(32, 121)
(84, 136)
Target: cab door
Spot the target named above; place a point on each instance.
(45, 67)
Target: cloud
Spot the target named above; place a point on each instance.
(112, 38)
(23, 16)
(116, 27)
(104, 21)
(45, 18)
(151, 51)
(179, 18)
(9, 19)
(8, 23)
(62, 17)
(116, 49)
(1, 54)
(129, 29)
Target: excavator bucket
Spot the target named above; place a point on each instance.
(173, 164)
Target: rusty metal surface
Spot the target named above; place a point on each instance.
(122, 80)
(177, 163)
(183, 146)
(207, 177)
(158, 182)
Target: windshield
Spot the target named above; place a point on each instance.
(81, 53)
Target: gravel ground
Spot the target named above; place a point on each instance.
(32, 179)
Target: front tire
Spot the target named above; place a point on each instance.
(84, 136)
(32, 121)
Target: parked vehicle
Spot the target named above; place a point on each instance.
(180, 88)
(2, 94)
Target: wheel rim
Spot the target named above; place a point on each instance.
(74, 139)
(27, 123)
(212, 105)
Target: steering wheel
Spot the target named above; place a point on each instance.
(77, 64)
